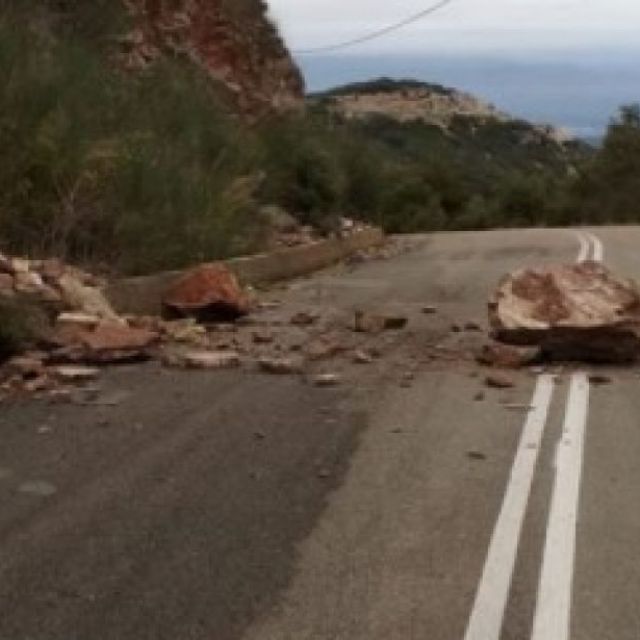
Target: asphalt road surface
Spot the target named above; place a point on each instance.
(233, 505)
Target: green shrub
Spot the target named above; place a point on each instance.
(21, 323)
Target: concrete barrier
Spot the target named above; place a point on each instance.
(143, 295)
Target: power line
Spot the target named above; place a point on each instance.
(381, 32)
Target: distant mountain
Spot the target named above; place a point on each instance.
(579, 90)
(456, 114)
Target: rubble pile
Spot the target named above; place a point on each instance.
(210, 323)
(80, 328)
(577, 312)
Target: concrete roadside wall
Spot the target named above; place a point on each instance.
(143, 295)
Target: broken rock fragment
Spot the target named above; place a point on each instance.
(497, 381)
(208, 292)
(106, 343)
(211, 359)
(75, 374)
(326, 380)
(365, 322)
(571, 312)
(90, 300)
(280, 366)
(496, 354)
(303, 319)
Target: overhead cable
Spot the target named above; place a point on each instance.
(379, 33)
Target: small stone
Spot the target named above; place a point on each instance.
(40, 383)
(211, 359)
(85, 320)
(476, 455)
(76, 374)
(323, 474)
(395, 322)
(429, 309)
(368, 323)
(26, 366)
(323, 349)
(362, 357)
(280, 366)
(472, 326)
(327, 380)
(303, 319)
(269, 305)
(496, 381)
(59, 396)
(479, 397)
(262, 337)
(456, 328)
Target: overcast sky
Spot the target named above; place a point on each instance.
(570, 62)
(466, 25)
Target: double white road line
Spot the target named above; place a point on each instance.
(552, 620)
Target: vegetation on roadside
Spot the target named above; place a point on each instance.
(21, 322)
(140, 172)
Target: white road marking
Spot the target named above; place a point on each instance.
(591, 247)
(553, 606)
(552, 619)
(491, 598)
(585, 247)
(598, 247)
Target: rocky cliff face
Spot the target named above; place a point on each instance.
(233, 40)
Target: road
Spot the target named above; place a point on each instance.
(237, 506)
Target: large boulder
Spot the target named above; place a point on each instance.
(207, 292)
(572, 312)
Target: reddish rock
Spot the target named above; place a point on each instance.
(208, 292)
(572, 312)
(116, 337)
(106, 343)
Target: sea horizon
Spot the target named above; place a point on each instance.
(580, 91)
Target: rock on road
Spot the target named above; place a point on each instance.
(235, 506)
